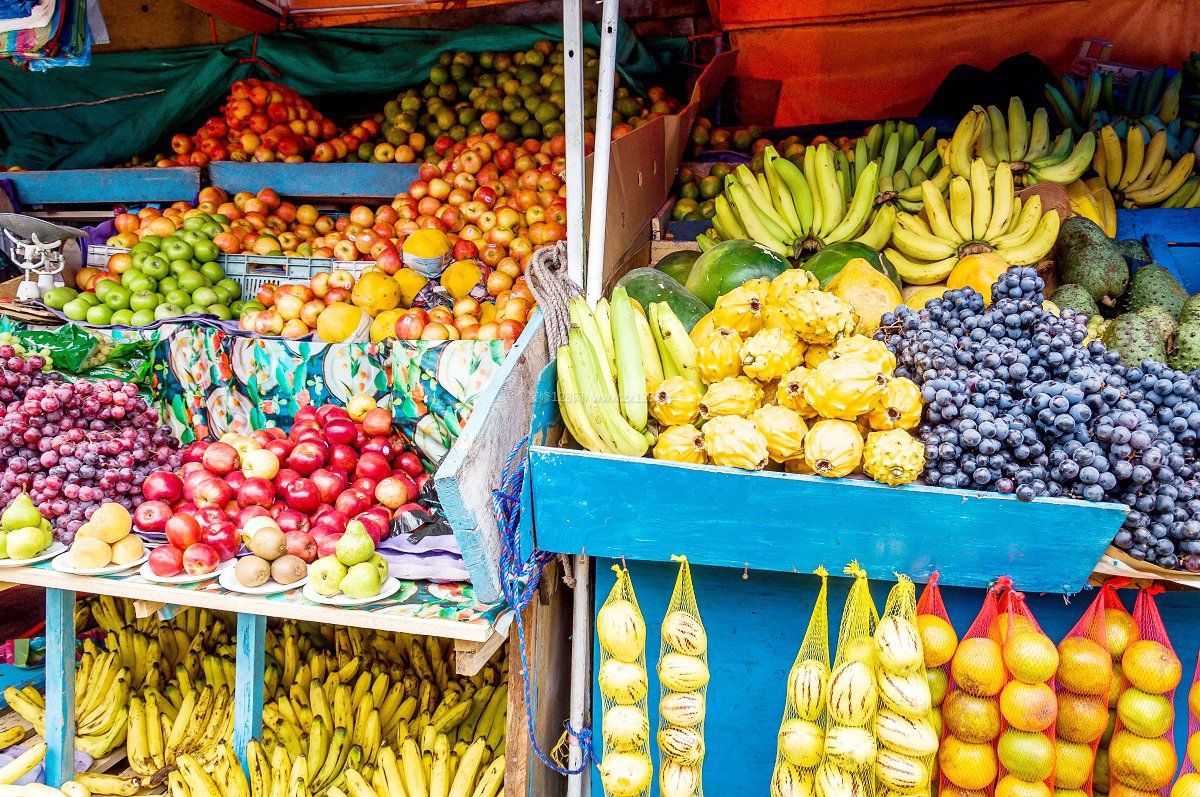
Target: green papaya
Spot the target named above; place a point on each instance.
(649, 285)
(729, 264)
(829, 262)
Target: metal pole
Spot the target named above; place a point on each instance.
(576, 182)
(581, 670)
(604, 106)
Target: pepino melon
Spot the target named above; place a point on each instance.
(829, 262)
(729, 264)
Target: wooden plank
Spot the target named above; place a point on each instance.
(469, 658)
(471, 470)
(108, 186)
(316, 180)
(60, 686)
(250, 668)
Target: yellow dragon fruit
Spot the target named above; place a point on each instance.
(899, 407)
(676, 401)
(735, 395)
(844, 388)
(743, 307)
(814, 355)
(790, 392)
(720, 355)
(864, 348)
(681, 444)
(819, 317)
(833, 448)
(784, 430)
(893, 457)
(771, 353)
(735, 443)
(704, 327)
(798, 465)
(783, 292)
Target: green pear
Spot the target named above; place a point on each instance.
(355, 546)
(20, 513)
(26, 543)
(3, 543)
(362, 581)
(382, 565)
(326, 576)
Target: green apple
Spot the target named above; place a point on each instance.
(235, 290)
(99, 315)
(141, 284)
(204, 296)
(117, 297)
(237, 308)
(194, 309)
(212, 229)
(191, 236)
(90, 299)
(122, 318)
(104, 286)
(143, 300)
(219, 218)
(156, 267)
(213, 271)
(194, 223)
(168, 284)
(76, 309)
(56, 298)
(180, 266)
(220, 311)
(167, 311)
(191, 280)
(178, 297)
(153, 240)
(130, 275)
(143, 248)
(142, 318)
(176, 248)
(206, 252)
(222, 293)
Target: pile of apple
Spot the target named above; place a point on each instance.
(293, 310)
(264, 121)
(335, 464)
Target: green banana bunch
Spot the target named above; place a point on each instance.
(1151, 99)
(905, 161)
(1139, 173)
(1025, 144)
(796, 211)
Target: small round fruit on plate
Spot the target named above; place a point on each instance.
(185, 578)
(54, 550)
(63, 564)
(229, 581)
(389, 588)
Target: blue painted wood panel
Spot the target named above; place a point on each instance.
(60, 686)
(375, 180)
(755, 627)
(647, 509)
(250, 667)
(1171, 235)
(105, 186)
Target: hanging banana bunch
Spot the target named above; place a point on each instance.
(1024, 144)
(1138, 173)
(905, 161)
(797, 211)
(983, 215)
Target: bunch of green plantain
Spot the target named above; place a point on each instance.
(1012, 138)
(906, 159)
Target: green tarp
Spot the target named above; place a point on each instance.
(125, 103)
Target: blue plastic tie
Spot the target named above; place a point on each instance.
(519, 579)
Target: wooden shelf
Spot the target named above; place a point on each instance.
(102, 186)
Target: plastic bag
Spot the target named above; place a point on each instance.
(1025, 750)
(848, 764)
(1119, 632)
(1082, 683)
(971, 711)
(802, 731)
(1141, 753)
(904, 730)
(939, 640)
(626, 769)
(683, 676)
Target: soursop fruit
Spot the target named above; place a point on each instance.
(1153, 284)
(1087, 257)
(1133, 249)
(1162, 320)
(1191, 311)
(1186, 356)
(1076, 297)
(1135, 338)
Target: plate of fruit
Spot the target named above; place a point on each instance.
(25, 536)
(104, 545)
(190, 571)
(354, 575)
(269, 568)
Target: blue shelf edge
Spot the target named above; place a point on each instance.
(299, 180)
(102, 186)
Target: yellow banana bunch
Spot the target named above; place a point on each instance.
(983, 214)
(1024, 143)
(1092, 200)
(1138, 172)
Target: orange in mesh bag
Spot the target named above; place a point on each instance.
(971, 710)
(1028, 705)
(802, 731)
(683, 675)
(1083, 682)
(847, 768)
(1188, 784)
(939, 640)
(1141, 754)
(626, 769)
(904, 728)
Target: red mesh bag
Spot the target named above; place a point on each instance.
(977, 677)
(939, 640)
(1028, 705)
(1119, 631)
(1082, 684)
(1189, 766)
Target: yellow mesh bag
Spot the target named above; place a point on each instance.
(626, 769)
(906, 737)
(683, 676)
(801, 741)
(848, 766)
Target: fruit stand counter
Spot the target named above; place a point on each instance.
(448, 611)
(105, 186)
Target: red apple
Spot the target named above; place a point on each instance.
(302, 495)
(280, 448)
(162, 486)
(393, 493)
(182, 530)
(380, 445)
(327, 546)
(377, 422)
(334, 518)
(232, 509)
(311, 436)
(166, 561)
(223, 538)
(213, 492)
(152, 516)
(410, 463)
(285, 477)
(422, 480)
(235, 480)
(352, 502)
(251, 512)
(256, 491)
(340, 430)
(262, 436)
(308, 457)
(220, 458)
(209, 515)
(195, 451)
(373, 465)
(193, 480)
(377, 531)
(343, 458)
(262, 463)
(291, 520)
(365, 484)
(305, 413)
(190, 467)
(301, 544)
(329, 484)
(200, 559)
(327, 412)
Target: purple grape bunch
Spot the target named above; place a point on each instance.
(74, 445)
(1018, 403)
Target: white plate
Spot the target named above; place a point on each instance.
(62, 563)
(185, 578)
(390, 588)
(55, 549)
(229, 581)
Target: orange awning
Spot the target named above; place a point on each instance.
(266, 16)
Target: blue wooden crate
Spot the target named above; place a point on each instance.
(316, 180)
(105, 186)
(646, 509)
(1172, 238)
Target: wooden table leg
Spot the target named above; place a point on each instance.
(60, 686)
(248, 697)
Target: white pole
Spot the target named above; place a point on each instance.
(581, 671)
(600, 157)
(576, 183)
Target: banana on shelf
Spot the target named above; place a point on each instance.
(1138, 172)
(1024, 143)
